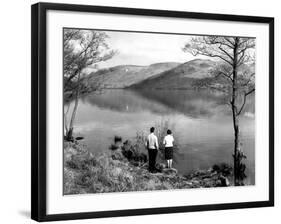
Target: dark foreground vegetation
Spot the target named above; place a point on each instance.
(124, 168)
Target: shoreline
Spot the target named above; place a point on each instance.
(113, 171)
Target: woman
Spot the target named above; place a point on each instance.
(169, 143)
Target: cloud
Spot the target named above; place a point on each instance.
(146, 48)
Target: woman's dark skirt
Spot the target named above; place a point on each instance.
(168, 153)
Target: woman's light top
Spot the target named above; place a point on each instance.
(168, 141)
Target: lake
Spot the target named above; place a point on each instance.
(201, 122)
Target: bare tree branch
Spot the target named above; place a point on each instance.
(224, 51)
(231, 44)
(244, 101)
(226, 75)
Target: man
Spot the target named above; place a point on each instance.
(152, 146)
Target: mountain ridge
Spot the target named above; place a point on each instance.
(164, 75)
(181, 77)
(123, 76)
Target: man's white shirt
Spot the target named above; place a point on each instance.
(152, 141)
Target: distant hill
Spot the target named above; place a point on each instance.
(127, 75)
(168, 75)
(192, 74)
(180, 77)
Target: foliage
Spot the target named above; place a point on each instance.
(235, 68)
(85, 172)
(81, 48)
(134, 152)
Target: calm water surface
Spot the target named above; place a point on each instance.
(200, 120)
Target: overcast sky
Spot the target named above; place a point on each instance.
(146, 48)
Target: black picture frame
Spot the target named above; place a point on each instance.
(39, 107)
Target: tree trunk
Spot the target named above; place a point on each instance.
(235, 114)
(236, 145)
(69, 134)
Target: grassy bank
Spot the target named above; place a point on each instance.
(113, 171)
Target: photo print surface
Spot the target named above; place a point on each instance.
(157, 111)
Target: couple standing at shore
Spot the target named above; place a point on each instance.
(153, 146)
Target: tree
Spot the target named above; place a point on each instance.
(81, 48)
(235, 55)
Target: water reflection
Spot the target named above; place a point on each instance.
(188, 102)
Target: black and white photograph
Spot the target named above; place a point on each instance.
(136, 111)
(151, 111)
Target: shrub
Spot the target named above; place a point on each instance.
(222, 168)
(134, 151)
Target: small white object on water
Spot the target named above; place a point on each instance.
(248, 114)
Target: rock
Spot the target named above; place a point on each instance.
(79, 138)
(160, 166)
(113, 147)
(222, 168)
(117, 155)
(216, 167)
(143, 157)
(117, 138)
(195, 182)
(218, 183)
(188, 183)
(207, 176)
(170, 171)
(224, 181)
(208, 182)
(150, 185)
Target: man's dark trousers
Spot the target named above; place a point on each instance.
(152, 153)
